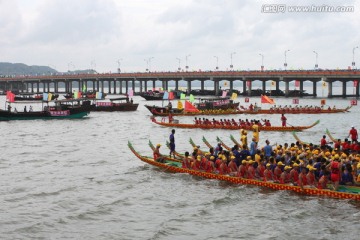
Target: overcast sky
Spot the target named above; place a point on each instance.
(83, 34)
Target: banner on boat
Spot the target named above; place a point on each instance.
(60, 113)
(104, 104)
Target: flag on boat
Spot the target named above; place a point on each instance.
(98, 95)
(224, 93)
(297, 83)
(131, 93)
(180, 105)
(190, 108)
(266, 99)
(84, 87)
(355, 83)
(171, 95)
(76, 95)
(192, 98)
(273, 83)
(10, 97)
(182, 96)
(49, 97)
(45, 97)
(233, 96)
(166, 96)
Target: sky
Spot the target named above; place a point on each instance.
(161, 35)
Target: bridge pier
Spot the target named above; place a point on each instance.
(263, 86)
(188, 86)
(249, 83)
(314, 88)
(176, 85)
(344, 89)
(286, 88)
(357, 89)
(231, 85)
(301, 88)
(330, 95)
(202, 85)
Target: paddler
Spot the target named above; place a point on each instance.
(156, 153)
(335, 167)
(283, 120)
(186, 163)
(256, 131)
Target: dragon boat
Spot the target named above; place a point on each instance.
(176, 124)
(175, 166)
(181, 112)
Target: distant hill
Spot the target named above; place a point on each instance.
(23, 69)
(9, 69)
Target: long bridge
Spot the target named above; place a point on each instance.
(119, 83)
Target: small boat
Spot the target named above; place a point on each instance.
(163, 111)
(33, 97)
(175, 124)
(172, 165)
(152, 95)
(49, 112)
(122, 104)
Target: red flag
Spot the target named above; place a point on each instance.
(248, 83)
(247, 99)
(10, 97)
(297, 83)
(295, 101)
(355, 83)
(353, 102)
(171, 95)
(190, 108)
(266, 99)
(323, 102)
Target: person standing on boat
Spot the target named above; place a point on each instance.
(283, 120)
(353, 133)
(172, 142)
(169, 106)
(9, 108)
(256, 131)
(253, 147)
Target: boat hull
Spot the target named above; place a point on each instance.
(232, 127)
(45, 115)
(122, 107)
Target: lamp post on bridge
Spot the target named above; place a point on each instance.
(231, 60)
(186, 61)
(353, 60)
(285, 63)
(262, 61)
(150, 63)
(316, 59)
(93, 65)
(217, 62)
(119, 64)
(179, 68)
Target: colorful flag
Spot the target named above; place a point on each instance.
(171, 95)
(76, 95)
(98, 95)
(224, 93)
(131, 93)
(248, 83)
(84, 87)
(192, 98)
(323, 84)
(266, 99)
(10, 97)
(180, 105)
(323, 102)
(353, 102)
(233, 96)
(45, 96)
(297, 83)
(166, 96)
(182, 96)
(190, 108)
(355, 83)
(49, 97)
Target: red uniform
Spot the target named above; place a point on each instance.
(335, 171)
(353, 133)
(186, 163)
(294, 174)
(322, 182)
(242, 171)
(302, 179)
(283, 120)
(251, 172)
(268, 175)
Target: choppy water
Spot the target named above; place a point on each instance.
(76, 179)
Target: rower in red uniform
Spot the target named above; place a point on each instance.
(210, 166)
(310, 177)
(322, 184)
(353, 133)
(156, 154)
(268, 174)
(334, 167)
(285, 176)
(302, 177)
(294, 173)
(278, 171)
(251, 170)
(242, 170)
(283, 120)
(232, 165)
(186, 163)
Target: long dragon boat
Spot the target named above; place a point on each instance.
(345, 192)
(175, 124)
(181, 112)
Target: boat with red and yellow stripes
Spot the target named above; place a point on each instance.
(175, 165)
(176, 124)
